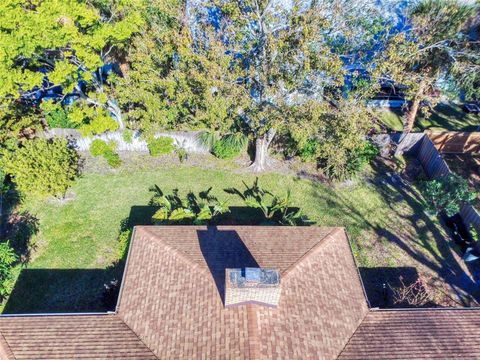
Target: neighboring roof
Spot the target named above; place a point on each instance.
(173, 288)
(65, 337)
(416, 334)
(171, 306)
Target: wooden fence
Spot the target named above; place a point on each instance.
(436, 167)
(453, 142)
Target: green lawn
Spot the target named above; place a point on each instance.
(448, 117)
(76, 247)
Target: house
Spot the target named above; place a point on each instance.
(242, 292)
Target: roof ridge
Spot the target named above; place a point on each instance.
(252, 337)
(136, 335)
(5, 350)
(311, 251)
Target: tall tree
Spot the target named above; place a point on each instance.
(437, 45)
(284, 54)
(172, 82)
(51, 42)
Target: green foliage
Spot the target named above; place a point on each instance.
(339, 134)
(181, 153)
(98, 147)
(58, 118)
(208, 139)
(361, 156)
(309, 151)
(161, 145)
(42, 167)
(113, 159)
(229, 146)
(192, 209)
(70, 38)
(127, 136)
(7, 260)
(447, 194)
(275, 209)
(123, 243)
(191, 86)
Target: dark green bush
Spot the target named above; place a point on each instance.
(7, 260)
(160, 146)
(361, 156)
(58, 118)
(446, 194)
(229, 146)
(310, 151)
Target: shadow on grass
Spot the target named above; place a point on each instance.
(58, 290)
(92, 290)
(379, 282)
(427, 247)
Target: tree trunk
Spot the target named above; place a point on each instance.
(117, 112)
(261, 161)
(410, 117)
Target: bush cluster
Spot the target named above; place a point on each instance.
(229, 146)
(7, 260)
(101, 148)
(161, 145)
(58, 118)
(42, 167)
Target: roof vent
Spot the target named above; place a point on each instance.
(252, 285)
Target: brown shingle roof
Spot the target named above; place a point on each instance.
(173, 288)
(416, 334)
(171, 306)
(67, 337)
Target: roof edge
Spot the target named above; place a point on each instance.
(125, 268)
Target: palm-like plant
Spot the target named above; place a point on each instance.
(275, 208)
(192, 209)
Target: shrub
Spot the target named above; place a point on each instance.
(123, 243)
(207, 139)
(160, 145)
(58, 118)
(361, 156)
(101, 148)
(7, 259)
(446, 194)
(181, 153)
(127, 136)
(191, 209)
(275, 209)
(229, 146)
(309, 151)
(42, 167)
(113, 159)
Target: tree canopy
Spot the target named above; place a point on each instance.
(59, 43)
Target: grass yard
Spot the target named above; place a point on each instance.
(448, 117)
(76, 247)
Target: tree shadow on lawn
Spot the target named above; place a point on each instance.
(437, 256)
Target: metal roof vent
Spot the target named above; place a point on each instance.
(252, 285)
